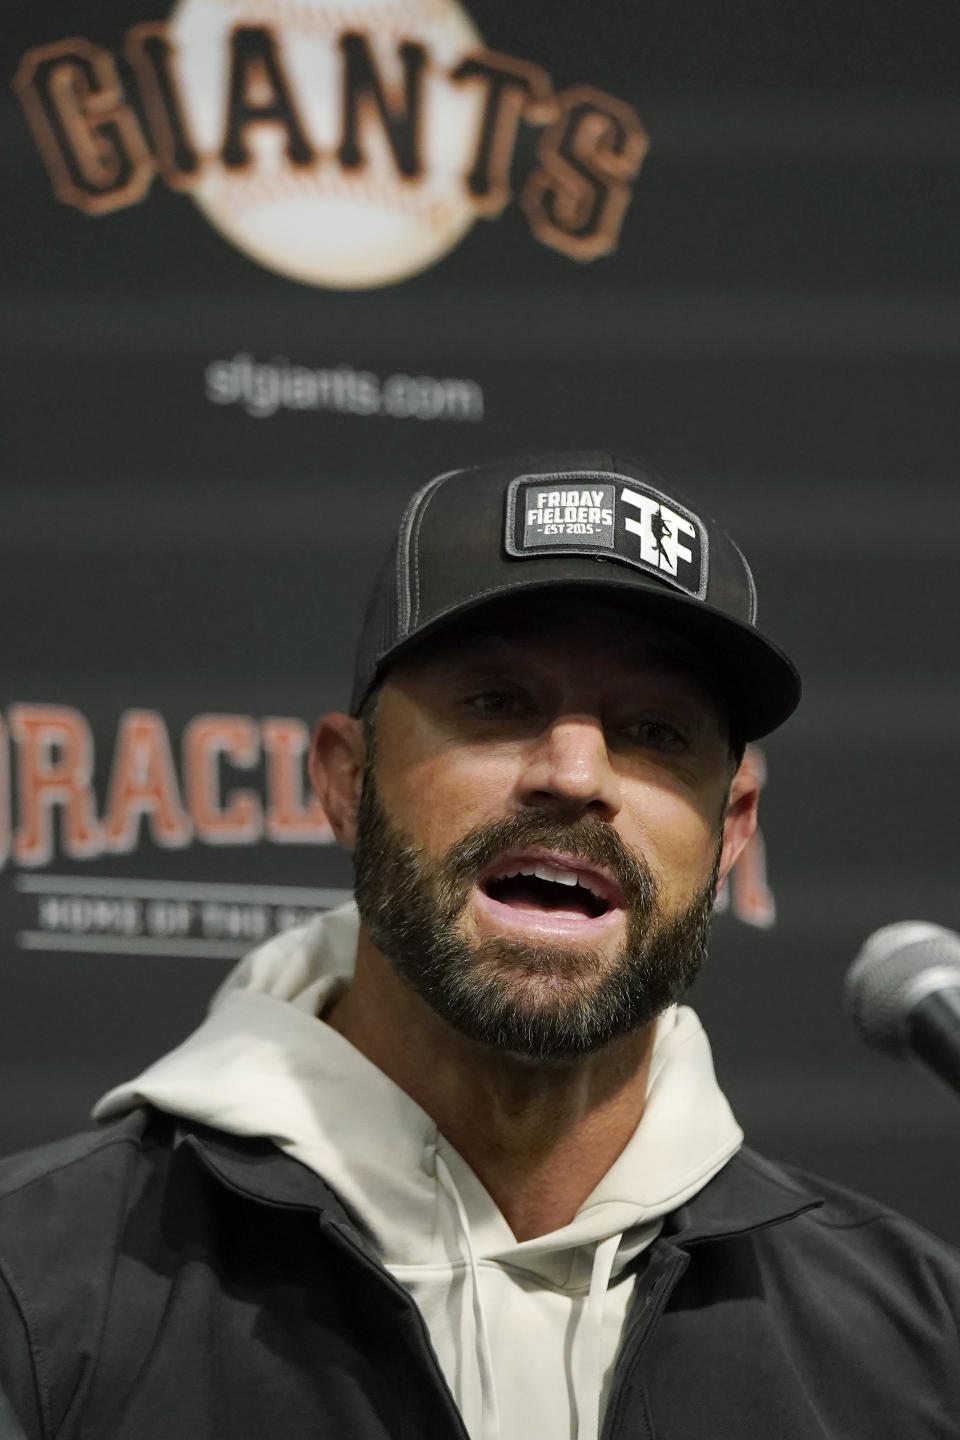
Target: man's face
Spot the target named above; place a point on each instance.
(540, 829)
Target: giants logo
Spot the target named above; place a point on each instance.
(340, 142)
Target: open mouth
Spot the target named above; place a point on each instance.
(554, 886)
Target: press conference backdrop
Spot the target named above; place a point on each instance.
(269, 266)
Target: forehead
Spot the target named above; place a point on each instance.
(542, 629)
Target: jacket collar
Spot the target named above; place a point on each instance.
(258, 1170)
(749, 1193)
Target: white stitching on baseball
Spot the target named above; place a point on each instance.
(247, 191)
(334, 19)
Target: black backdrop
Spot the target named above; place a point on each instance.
(777, 333)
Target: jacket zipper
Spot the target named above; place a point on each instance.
(422, 1347)
(340, 1235)
(658, 1288)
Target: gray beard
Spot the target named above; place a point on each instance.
(540, 1002)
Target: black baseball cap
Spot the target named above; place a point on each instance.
(580, 521)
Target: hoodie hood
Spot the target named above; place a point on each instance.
(264, 1064)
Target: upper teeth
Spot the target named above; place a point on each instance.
(543, 871)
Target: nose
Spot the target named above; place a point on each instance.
(568, 769)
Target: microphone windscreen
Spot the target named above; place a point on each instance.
(896, 967)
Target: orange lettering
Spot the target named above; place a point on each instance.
(513, 88)
(239, 821)
(88, 136)
(55, 767)
(151, 53)
(144, 783)
(576, 201)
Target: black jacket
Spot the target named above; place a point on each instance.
(159, 1281)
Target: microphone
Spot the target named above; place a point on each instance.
(903, 994)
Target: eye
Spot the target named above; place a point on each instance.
(655, 734)
(500, 702)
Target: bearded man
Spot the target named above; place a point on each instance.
(452, 1162)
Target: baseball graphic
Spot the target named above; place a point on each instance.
(293, 205)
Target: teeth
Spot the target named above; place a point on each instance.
(559, 877)
(545, 871)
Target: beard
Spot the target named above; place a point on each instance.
(541, 1002)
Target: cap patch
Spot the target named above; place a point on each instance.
(609, 516)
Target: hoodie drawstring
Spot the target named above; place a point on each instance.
(589, 1349)
(588, 1362)
(489, 1412)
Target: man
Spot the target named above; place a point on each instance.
(453, 1162)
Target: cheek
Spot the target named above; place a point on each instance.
(678, 839)
(437, 796)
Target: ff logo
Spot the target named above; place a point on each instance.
(597, 513)
(346, 143)
(659, 529)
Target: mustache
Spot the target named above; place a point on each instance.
(591, 840)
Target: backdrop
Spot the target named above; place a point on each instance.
(269, 264)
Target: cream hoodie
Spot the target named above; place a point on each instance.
(525, 1333)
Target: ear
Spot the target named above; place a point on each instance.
(336, 762)
(740, 819)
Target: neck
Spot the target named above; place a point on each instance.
(539, 1137)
